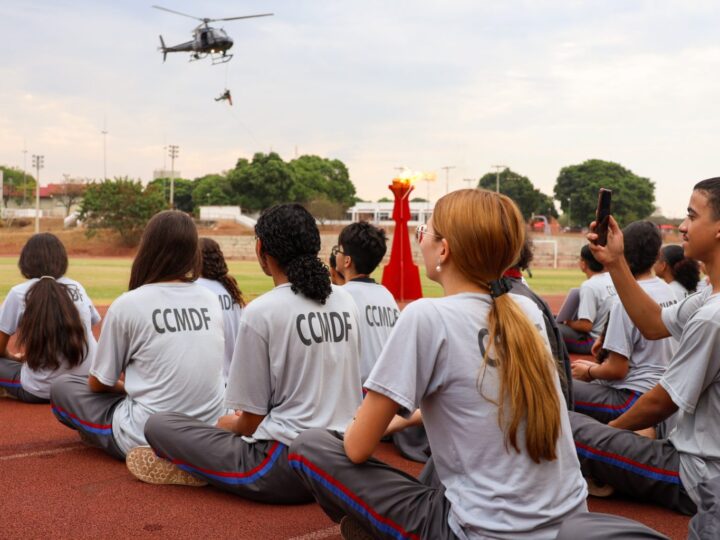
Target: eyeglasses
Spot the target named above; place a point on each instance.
(421, 231)
(335, 250)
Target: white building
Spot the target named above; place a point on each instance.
(380, 213)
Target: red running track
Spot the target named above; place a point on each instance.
(54, 487)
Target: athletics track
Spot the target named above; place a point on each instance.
(54, 487)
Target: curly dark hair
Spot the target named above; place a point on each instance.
(642, 244)
(527, 254)
(684, 270)
(51, 328)
(365, 244)
(587, 256)
(288, 233)
(214, 267)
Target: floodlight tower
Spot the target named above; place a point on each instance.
(38, 162)
(24, 174)
(447, 169)
(498, 168)
(174, 149)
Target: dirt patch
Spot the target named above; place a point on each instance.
(103, 244)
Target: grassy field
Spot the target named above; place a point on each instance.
(106, 278)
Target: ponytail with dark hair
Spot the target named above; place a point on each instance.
(51, 328)
(214, 267)
(684, 270)
(288, 233)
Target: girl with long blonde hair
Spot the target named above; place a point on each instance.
(478, 366)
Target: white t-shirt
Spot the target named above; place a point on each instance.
(434, 360)
(597, 295)
(231, 318)
(37, 382)
(675, 317)
(168, 339)
(296, 362)
(647, 359)
(693, 382)
(680, 292)
(377, 311)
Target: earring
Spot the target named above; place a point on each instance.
(437, 268)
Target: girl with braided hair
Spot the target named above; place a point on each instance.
(295, 367)
(52, 316)
(681, 272)
(215, 277)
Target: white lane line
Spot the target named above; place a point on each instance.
(317, 535)
(42, 452)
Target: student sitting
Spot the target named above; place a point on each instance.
(53, 318)
(161, 347)
(296, 366)
(477, 364)
(668, 472)
(596, 298)
(634, 364)
(681, 273)
(215, 276)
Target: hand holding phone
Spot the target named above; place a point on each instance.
(602, 216)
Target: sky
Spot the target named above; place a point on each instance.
(533, 85)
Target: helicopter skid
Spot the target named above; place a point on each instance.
(215, 59)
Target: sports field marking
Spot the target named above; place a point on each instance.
(43, 452)
(322, 533)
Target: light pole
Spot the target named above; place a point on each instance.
(174, 150)
(469, 182)
(498, 168)
(24, 174)
(104, 134)
(38, 162)
(447, 177)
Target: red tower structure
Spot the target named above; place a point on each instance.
(401, 275)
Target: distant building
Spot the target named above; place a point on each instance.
(165, 173)
(381, 212)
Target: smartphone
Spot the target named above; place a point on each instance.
(602, 216)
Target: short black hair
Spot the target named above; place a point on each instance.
(526, 255)
(587, 256)
(711, 187)
(642, 245)
(365, 244)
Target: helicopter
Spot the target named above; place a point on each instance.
(207, 41)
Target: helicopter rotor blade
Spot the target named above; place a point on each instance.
(242, 17)
(179, 13)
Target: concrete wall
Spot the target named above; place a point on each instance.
(243, 247)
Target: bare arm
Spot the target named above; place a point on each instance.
(652, 407)
(241, 423)
(643, 310)
(100, 388)
(614, 368)
(580, 325)
(398, 423)
(4, 353)
(364, 434)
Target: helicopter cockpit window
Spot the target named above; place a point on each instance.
(219, 33)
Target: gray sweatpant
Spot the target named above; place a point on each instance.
(646, 469)
(576, 342)
(10, 381)
(388, 502)
(88, 412)
(258, 471)
(412, 443)
(604, 403)
(593, 526)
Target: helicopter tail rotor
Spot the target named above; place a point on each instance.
(163, 48)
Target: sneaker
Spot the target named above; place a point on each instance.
(145, 465)
(597, 489)
(350, 529)
(5, 394)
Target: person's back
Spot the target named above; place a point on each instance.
(167, 339)
(680, 272)
(493, 489)
(313, 350)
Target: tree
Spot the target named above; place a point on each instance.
(384, 199)
(183, 189)
(520, 189)
(324, 209)
(418, 199)
(70, 192)
(17, 185)
(321, 178)
(577, 190)
(213, 189)
(265, 181)
(121, 205)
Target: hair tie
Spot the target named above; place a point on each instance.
(499, 287)
(47, 277)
